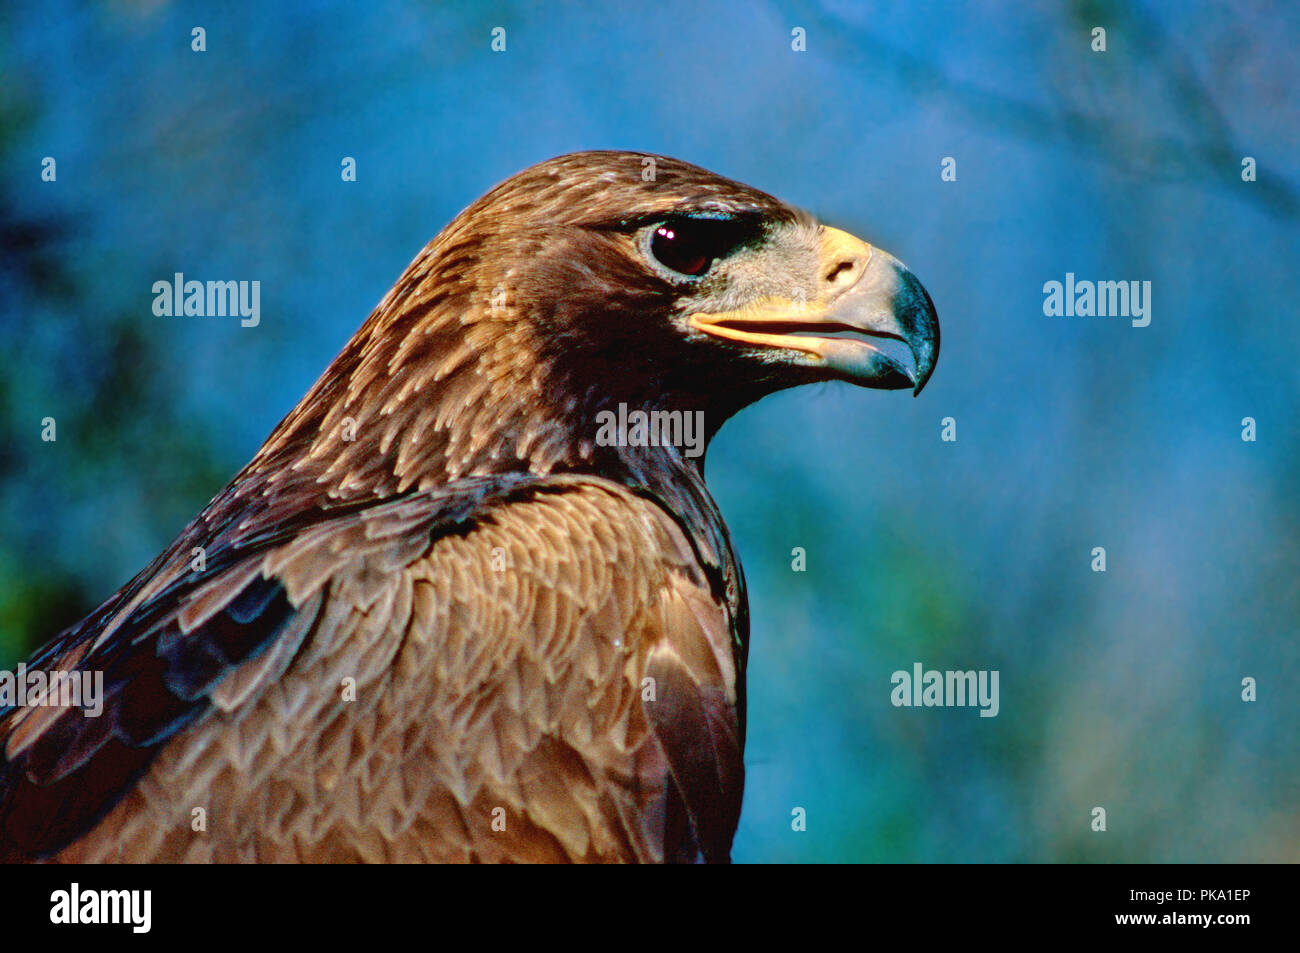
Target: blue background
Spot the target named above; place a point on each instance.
(1119, 689)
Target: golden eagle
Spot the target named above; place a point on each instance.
(449, 612)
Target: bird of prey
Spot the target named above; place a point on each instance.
(440, 616)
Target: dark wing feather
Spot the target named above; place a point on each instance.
(491, 689)
(695, 716)
(61, 771)
(74, 769)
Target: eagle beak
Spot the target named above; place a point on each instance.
(859, 293)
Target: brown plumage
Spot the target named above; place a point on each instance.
(436, 617)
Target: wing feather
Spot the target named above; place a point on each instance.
(376, 686)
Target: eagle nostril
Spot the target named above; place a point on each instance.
(848, 265)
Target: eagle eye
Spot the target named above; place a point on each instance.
(689, 246)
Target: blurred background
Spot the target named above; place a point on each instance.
(1119, 689)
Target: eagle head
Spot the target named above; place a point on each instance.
(595, 280)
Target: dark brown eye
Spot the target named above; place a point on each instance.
(689, 246)
(679, 253)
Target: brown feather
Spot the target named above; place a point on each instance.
(463, 713)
